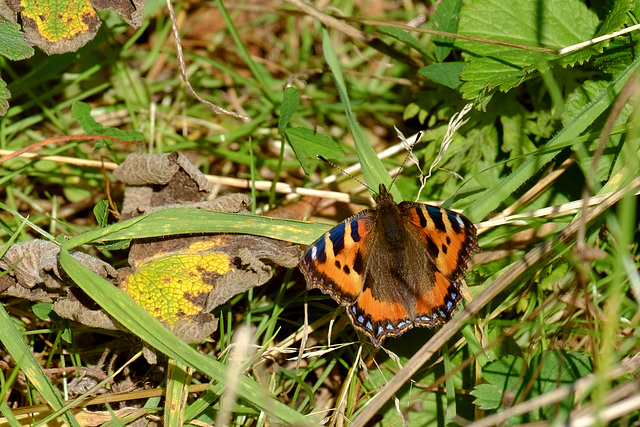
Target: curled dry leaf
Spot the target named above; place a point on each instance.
(32, 271)
(159, 180)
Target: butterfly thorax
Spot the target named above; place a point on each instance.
(389, 218)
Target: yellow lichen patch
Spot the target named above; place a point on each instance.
(59, 20)
(176, 287)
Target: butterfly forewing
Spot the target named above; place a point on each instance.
(335, 263)
(449, 238)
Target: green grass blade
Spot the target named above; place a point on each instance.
(372, 168)
(23, 356)
(184, 221)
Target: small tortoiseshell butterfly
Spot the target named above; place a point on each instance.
(394, 267)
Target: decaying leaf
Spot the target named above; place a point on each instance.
(182, 279)
(32, 271)
(65, 26)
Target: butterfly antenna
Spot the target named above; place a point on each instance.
(345, 172)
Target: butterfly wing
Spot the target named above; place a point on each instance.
(335, 263)
(448, 239)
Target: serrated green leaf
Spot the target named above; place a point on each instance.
(502, 375)
(616, 17)
(445, 73)
(504, 372)
(82, 113)
(487, 396)
(446, 18)
(101, 212)
(14, 46)
(290, 102)
(553, 24)
(407, 39)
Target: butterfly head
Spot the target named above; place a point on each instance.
(384, 200)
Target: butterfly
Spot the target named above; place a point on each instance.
(393, 267)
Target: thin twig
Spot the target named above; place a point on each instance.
(183, 69)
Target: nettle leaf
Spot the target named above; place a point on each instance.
(503, 376)
(616, 17)
(307, 143)
(553, 24)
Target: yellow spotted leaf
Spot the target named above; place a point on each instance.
(58, 26)
(176, 286)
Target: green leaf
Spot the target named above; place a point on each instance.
(616, 17)
(445, 73)
(82, 113)
(446, 18)
(307, 143)
(290, 102)
(558, 367)
(407, 39)
(42, 310)
(101, 212)
(13, 46)
(487, 396)
(502, 375)
(552, 24)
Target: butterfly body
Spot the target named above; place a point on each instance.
(394, 267)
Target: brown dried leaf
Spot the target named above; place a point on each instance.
(154, 180)
(32, 270)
